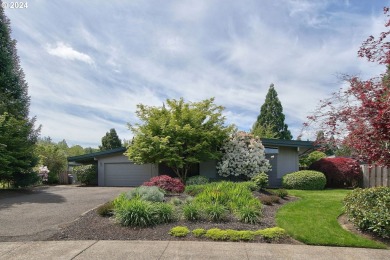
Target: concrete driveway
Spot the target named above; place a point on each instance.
(37, 214)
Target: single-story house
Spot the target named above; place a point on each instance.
(115, 169)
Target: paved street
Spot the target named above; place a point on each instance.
(37, 214)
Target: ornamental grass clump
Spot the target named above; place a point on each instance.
(136, 212)
(217, 199)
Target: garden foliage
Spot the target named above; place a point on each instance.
(358, 116)
(179, 134)
(339, 172)
(220, 198)
(304, 180)
(179, 231)
(18, 135)
(243, 155)
(87, 174)
(197, 180)
(166, 183)
(141, 213)
(369, 209)
(261, 180)
(217, 234)
(149, 193)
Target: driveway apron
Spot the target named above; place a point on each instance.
(37, 214)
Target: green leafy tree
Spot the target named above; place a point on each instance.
(306, 161)
(90, 150)
(18, 158)
(179, 134)
(54, 157)
(17, 132)
(110, 141)
(75, 150)
(264, 131)
(271, 115)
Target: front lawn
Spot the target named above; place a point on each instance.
(313, 220)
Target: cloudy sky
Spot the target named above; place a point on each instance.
(89, 63)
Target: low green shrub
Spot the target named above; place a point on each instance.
(179, 231)
(149, 193)
(216, 212)
(194, 190)
(192, 211)
(281, 193)
(304, 180)
(261, 180)
(274, 233)
(216, 234)
(229, 234)
(239, 235)
(250, 185)
(269, 200)
(197, 180)
(199, 232)
(369, 209)
(87, 174)
(106, 210)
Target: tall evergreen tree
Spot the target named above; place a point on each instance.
(110, 140)
(17, 133)
(271, 115)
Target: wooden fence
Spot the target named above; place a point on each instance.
(375, 176)
(63, 177)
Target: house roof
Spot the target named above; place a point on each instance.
(287, 143)
(90, 157)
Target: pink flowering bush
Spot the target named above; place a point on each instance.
(43, 173)
(166, 183)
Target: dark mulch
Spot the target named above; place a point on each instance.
(93, 227)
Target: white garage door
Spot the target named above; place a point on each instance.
(126, 174)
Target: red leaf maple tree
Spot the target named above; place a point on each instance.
(359, 117)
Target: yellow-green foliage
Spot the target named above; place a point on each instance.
(199, 232)
(274, 233)
(217, 234)
(179, 231)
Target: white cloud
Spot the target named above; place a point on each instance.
(144, 53)
(67, 52)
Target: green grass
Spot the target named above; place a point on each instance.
(313, 220)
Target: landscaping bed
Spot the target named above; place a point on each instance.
(91, 226)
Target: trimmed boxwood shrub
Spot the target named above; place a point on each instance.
(339, 172)
(369, 209)
(304, 180)
(166, 183)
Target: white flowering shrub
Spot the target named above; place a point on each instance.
(243, 155)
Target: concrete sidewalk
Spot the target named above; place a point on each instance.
(178, 250)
